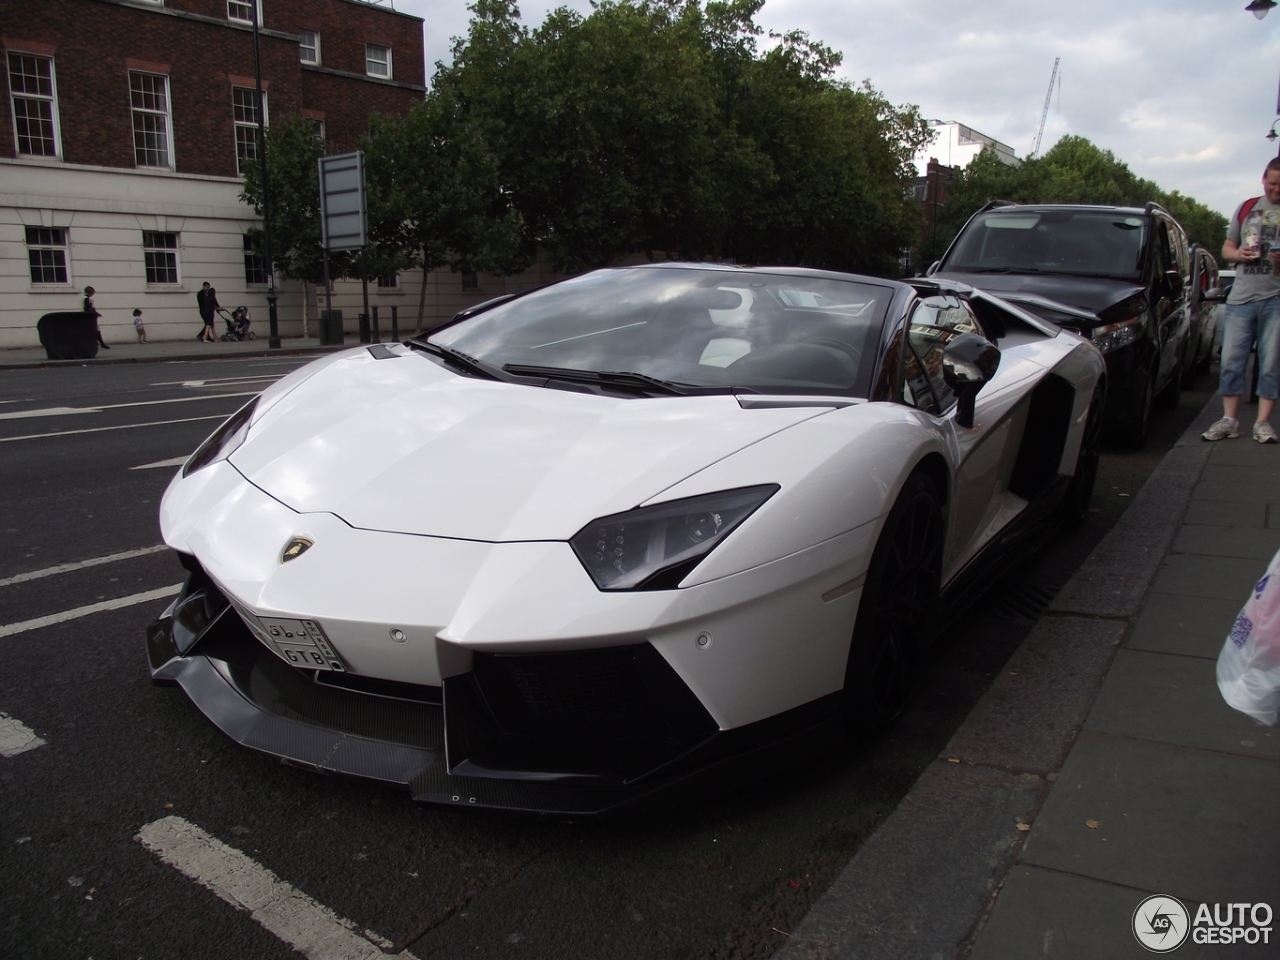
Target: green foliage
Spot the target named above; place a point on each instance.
(1073, 171)
(648, 127)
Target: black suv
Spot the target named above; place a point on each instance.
(1118, 275)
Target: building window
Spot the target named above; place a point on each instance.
(47, 251)
(317, 129)
(31, 93)
(149, 95)
(390, 282)
(244, 108)
(255, 264)
(309, 46)
(377, 60)
(160, 252)
(242, 10)
(470, 280)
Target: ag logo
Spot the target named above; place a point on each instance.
(296, 548)
(1161, 924)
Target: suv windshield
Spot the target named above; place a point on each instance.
(685, 328)
(1082, 242)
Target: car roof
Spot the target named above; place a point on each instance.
(1099, 207)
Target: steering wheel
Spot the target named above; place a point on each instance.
(845, 348)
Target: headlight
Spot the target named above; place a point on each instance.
(223, 441)
(1116, 335)
(654, 548)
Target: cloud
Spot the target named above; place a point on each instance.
(1182, 91)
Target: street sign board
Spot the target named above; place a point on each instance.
(342, 205)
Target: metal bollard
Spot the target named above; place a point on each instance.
(364, 327)
(395, 325)
(376, 337)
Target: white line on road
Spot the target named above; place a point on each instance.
(171, 462)
(9, 629)
(309, 927)
(123, 426)
(212, 380)
(68, 411)
(16, 737)
(81, 564)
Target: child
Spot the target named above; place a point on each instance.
(137, 325)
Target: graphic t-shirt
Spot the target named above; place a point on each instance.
(1257, 279)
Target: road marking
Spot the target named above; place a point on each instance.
(211, 380)
(16, 737)
(171, 462)
(123, 426)
(68, 411)
(9, 629)
(81, 564)
(309, 927)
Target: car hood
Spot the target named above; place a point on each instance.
(407, 446)
(1094, 294)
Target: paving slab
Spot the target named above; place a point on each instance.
(917, 885)
(1175, 700)
(1242, 484)
(1191, 575)
(1184, 625)
(1248, 454)
(1115, 577)
(1230, 513)
(1192, 823)
(1219, 541)
(1045, 913)
(1029, 717)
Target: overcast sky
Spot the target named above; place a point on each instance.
(1184, 91)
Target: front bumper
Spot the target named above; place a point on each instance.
(570, 733)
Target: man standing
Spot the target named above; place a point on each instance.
(1253, 310)
(207, 300)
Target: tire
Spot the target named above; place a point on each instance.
(1075, 506)
(896, 610)
(1135, 434)
(1189, 370)
(225, 338)
(252, 335)
(1172, 393)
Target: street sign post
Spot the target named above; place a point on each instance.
(343, 220)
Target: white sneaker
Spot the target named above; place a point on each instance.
(1228, 428)
(1263, 432)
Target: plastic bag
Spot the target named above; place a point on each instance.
(1249, 665)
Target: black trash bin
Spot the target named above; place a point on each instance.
(330, 328)
(68, 336)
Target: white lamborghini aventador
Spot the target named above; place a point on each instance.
(619, 538)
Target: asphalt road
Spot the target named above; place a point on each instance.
(727, 877)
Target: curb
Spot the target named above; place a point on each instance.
(923, 883)
(237, 354)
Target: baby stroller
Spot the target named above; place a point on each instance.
(238, 325)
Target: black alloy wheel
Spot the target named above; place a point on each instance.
(1135, 434)
(1075, 506)
(896, 610)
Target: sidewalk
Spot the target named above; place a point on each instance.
(192, 349)
(1106, 735)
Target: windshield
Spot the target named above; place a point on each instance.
(1089, 243)
(726, 329)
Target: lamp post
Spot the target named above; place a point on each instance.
(269, 268)
(1260, 8)
(1272, 135)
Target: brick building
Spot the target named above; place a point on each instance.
(126, 124)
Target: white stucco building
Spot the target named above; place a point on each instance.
(957, 144)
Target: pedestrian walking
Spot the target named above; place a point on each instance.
(91, 309)
(1253, 310)
(138, 327)
(207, 300)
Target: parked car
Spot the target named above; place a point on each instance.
(1119, 275)
(1207, 297)
(638, 532)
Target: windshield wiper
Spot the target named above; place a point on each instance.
(641, 382)
(459, 359)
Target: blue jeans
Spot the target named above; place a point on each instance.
(1242, 324)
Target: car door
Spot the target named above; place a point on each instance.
(982, 454)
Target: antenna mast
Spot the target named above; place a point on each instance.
(1053, 77)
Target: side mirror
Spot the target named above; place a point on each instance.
(1215, 294)
(968, 364)
(1174, 281)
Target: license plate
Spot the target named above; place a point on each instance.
(302, 643)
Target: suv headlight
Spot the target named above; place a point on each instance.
(1113, 336)
(654, 548)
(223, 441)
